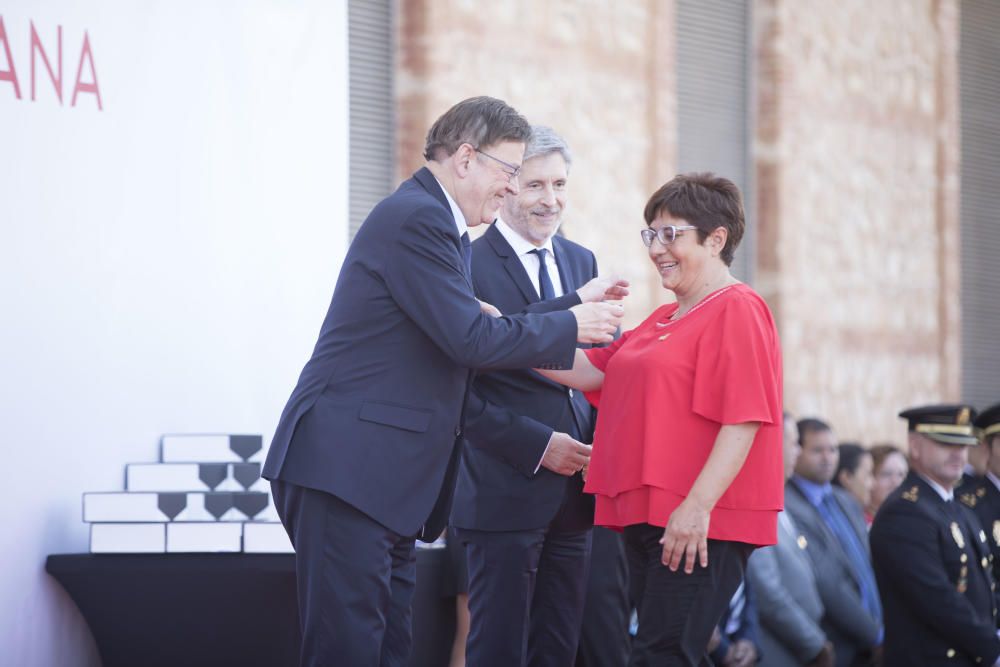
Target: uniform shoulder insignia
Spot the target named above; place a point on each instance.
(968, 499)
(912, 494)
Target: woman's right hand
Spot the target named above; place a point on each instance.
(686, 537)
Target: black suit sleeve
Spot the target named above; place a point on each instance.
(423, 270)
(518, 440)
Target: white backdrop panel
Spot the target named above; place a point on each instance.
(165, 261)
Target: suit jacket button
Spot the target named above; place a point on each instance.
(458, 431)
(950, 653)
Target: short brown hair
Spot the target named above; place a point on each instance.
(477, 121)
(704, 200)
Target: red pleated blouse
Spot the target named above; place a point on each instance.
(669, 386)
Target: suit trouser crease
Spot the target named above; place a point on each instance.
(355, 581)
(526, 594)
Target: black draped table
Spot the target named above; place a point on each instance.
(216, 610)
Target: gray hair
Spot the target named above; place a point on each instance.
(543, 141)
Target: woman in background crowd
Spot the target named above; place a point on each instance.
(889, 467)
(854, 472)
(687, 451)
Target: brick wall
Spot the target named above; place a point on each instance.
(857, 168)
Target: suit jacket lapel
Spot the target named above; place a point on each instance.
(819, 524)
(429, 183)
(512, 264)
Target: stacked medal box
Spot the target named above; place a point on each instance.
(204, 495)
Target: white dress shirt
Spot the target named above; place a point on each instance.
(947, 495)
(460, 223)
(523, 248)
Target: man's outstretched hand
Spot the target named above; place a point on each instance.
(597, 322)
(603, 288)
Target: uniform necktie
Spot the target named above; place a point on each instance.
(467, 253)
(545, 289)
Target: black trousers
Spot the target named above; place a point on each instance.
(604, 640)
(526, 592)
(355, 581)
(678, 611)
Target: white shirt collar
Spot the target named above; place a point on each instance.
(521, 245)
(946, 494)
(460, 223)
(993, 478)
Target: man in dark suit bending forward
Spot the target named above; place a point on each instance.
(363, 458)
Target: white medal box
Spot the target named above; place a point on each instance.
(140, 507)
(204, 537)
(184, 448)
(131, 538)
(262, 537)
(194, 477)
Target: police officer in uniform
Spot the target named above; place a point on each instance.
(983, 494)
(930, 554)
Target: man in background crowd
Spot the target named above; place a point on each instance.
(832, 522)
(931, 555)
(788, 600)
(983, 495)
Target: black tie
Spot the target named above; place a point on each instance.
(467, 253)
(545, 289)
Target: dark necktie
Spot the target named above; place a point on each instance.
(545, 289)
(840, 525)
(467, 253)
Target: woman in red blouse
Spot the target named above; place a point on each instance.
(687, 450)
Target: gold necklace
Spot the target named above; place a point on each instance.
(708, 299)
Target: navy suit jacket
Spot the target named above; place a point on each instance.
(513, 413)
(377, 412)
(846, 621)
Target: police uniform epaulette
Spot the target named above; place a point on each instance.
(912, 494)
(968, 499)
